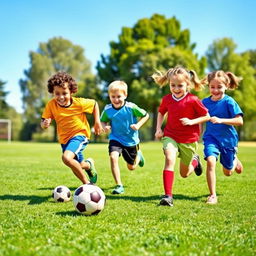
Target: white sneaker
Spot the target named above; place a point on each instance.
(212, 199)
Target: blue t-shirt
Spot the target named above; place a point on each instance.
(227, 107)
(120, 120)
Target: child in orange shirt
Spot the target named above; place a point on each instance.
(73, 128)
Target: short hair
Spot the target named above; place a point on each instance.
(118, 85)
(62, 79)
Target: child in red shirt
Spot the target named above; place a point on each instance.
(180, 136)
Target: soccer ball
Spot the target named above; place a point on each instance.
(89, 199)
(61, 194)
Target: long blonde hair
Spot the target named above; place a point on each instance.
(228, 78)
(190, 76)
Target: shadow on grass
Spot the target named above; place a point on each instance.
(73, 214)
(32, 199)
(69, 213)
(155, 197)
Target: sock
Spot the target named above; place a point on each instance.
(168, 178)
(194, 163)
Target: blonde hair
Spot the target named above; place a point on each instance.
(190, 76)
(229, 79)
(118, 86)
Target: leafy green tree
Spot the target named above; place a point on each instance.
(3, 104)
(154, 43)
(252, 58)
(57, 54)
(8, 112)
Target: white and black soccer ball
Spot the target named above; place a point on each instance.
(89, 199)
(61, 194)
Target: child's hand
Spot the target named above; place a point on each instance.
(98, 129)
(215, 120)
(159, 134)
(45, 123)
(135, 127)
(186, 121)
(107, 128)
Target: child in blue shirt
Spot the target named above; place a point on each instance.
(220, 136)
(120, 119)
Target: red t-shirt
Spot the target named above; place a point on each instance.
(189, 106)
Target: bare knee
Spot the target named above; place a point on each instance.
(131, 167)
(184, 175)
(66, 159)
(227, 172)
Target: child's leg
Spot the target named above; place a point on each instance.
(114, 157)
(68, 159)
(186, 170)
(189, 160)
(230, 161)
(211, 174)
(85, 165)
(168, 172)
(132, 156)
(239, 167)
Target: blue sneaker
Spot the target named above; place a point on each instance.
(142, 159)
(119, 189)
(92, 173)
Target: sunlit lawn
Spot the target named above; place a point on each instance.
(131, 223)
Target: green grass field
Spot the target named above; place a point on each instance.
(131, 223)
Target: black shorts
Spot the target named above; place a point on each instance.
(129, 153)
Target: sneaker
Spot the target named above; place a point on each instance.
(92, 173)
(198, 168)
(142, 159)
(212, 199)
(166, 200)
(119, 189)
(239, 167)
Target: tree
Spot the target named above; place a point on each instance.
(155, 43)
(57, 54)
(3, 104)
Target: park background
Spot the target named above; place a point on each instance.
(98, 42)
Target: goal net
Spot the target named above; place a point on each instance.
(5, 129)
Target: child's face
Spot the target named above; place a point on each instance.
(62, 95)
(117, 98)
(178, 86)
(217, 89)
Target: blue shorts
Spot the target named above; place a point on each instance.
(227, 155)
(76, 145)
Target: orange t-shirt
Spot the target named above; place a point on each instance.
(71, 121)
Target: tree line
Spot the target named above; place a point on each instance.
(155, 43)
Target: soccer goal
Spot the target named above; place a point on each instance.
(5, 129)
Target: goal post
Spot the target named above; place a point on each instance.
(6, 129)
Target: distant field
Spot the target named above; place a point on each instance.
(131, 223)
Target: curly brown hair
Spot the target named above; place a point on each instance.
(61, 79)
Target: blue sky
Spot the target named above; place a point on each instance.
(93, 24)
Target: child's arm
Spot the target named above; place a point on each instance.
(199, 120)
(159, 133)
(97, 124)
(45, 122)
(237, 120)
(142, 121)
